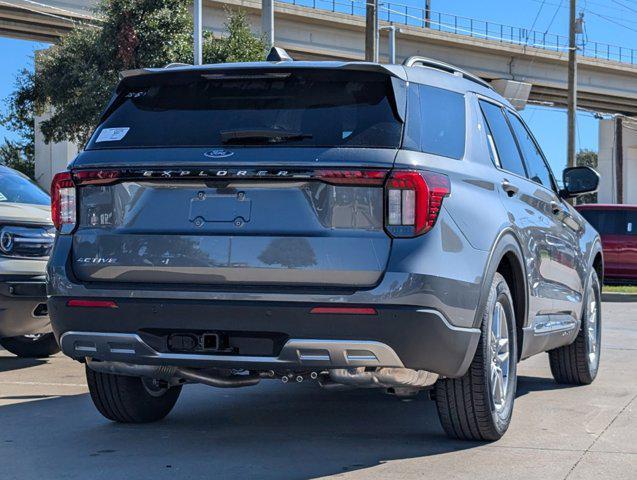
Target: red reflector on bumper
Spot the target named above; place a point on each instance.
(345, 310)
(92, 303)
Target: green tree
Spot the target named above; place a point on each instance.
(74, 79)
(19, 154)
(587, 158)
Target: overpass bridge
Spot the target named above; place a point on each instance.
(334, 29)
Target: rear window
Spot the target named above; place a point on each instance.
(298, 108)
(612, 222)
(15, 188)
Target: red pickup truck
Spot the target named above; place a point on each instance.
(617, 225)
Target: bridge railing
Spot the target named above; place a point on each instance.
(402, 14)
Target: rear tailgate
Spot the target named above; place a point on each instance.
(231, 227)
(218, 177)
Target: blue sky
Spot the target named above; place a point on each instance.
(608, 21)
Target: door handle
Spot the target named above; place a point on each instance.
(509, 188)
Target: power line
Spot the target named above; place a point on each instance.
(608, 19)
(625, 6)
(554, 15)
(535, 19)
(585, 8)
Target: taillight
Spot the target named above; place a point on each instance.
(63, 202)
(413, 201)
(352, 177)
(96, 177)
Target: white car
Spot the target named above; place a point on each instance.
(26, 237)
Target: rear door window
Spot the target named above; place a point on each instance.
(508, 154)
(536, 166)
(442, 122)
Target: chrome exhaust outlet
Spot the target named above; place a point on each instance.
(174, 375)
(383, 377)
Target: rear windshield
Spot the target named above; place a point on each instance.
(612, 222)
(298, 108)
(15, 188)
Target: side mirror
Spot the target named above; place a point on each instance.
(579, 180)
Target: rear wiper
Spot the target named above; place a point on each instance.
(261, 136)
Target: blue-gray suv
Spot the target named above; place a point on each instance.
(351, 223)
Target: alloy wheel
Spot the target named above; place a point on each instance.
(592, 326)
(500, 361)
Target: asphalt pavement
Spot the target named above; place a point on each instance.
(49, 428)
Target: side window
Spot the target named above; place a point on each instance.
(411, 137)
(507, 150)
(609, 222)
(442, 120)
(535, 164)
(631, 222)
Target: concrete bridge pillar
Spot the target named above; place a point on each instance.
(618, 182)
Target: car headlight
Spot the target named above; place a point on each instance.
(26, 241)
(6, 241)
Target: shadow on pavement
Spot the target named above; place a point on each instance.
(15, 363)
(537, 384)
(269, 431)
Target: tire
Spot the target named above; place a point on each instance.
(470, 407)
(31, 346)
(127, 399)
(578, 363)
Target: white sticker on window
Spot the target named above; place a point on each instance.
(2, 198)
(112, 134)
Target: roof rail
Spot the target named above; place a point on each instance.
(177, 64)
(445, 67)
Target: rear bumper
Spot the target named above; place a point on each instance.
(296, 353)
(23, 307)
(396, 336)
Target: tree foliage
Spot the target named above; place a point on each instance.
(73, 80)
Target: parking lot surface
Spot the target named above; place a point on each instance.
(50, 430)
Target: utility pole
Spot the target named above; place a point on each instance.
(267, 22)
(198, 31)
(619, 159)
(572, 85)
(371, 31)
(427, 13)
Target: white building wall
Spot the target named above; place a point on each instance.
(50, 158)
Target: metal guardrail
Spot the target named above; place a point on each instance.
(399, 13)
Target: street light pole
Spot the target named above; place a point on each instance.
(267, 22)
(572, 86)
(198, 32)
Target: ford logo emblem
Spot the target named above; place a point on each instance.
(220, 153)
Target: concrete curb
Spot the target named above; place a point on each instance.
(619, 297)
